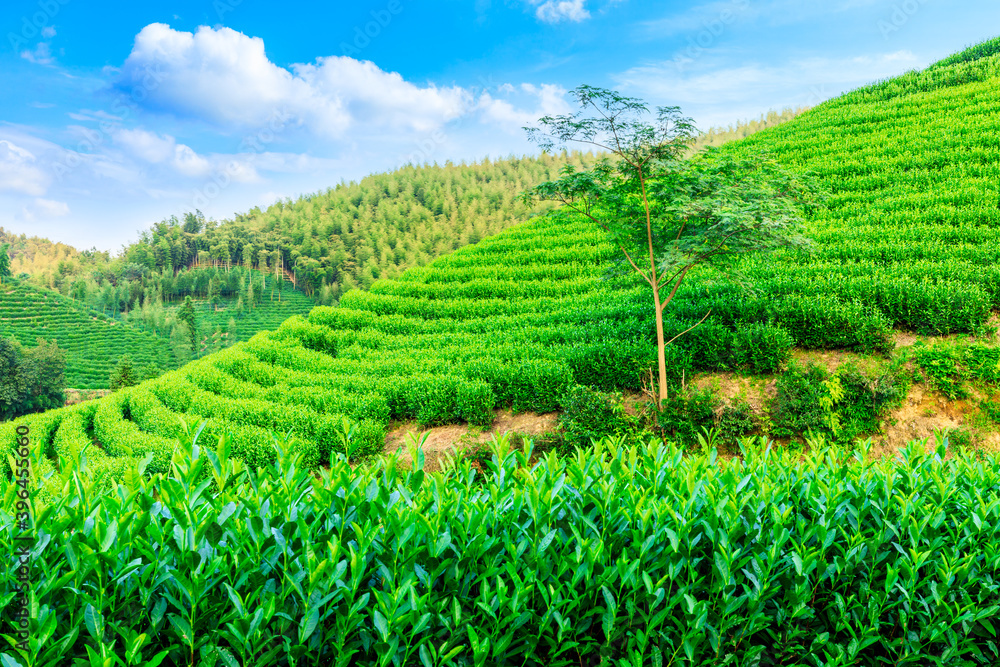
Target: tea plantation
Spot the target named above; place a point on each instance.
(92, 341)
(619, 555)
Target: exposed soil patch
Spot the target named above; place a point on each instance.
(444, 441)
(74, 396)
(757, 391)
(922, 414)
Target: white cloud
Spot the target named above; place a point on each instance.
(50, 208)
(189, 163)
(549, 100)
(42, 55)
(48, 32)
(555, 11)
(17, 171)
(716, 95)
(147, 146)
(225, 77)
(162, 149)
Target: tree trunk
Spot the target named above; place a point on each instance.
(661, 347)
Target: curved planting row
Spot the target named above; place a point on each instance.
(909, 241)
(93, 343)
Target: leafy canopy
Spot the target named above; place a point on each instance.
(653, 202)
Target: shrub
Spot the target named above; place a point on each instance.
(796, 407)
(762, 348)
(868, 396)
(941, 367)
(537, 385)
(588, 414)
(685, 414)
(608, 365)
(736, 420)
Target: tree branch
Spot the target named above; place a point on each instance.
(670, 297)
(689, 328)
(648, 279)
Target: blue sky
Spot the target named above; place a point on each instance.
(117, 114)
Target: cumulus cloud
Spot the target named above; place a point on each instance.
(147, 146)
(556, 11)
(163, 149)
(18, 172)
(225, 77)
(549, 100)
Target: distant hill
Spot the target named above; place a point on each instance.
(92, 341)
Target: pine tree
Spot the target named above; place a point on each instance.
(124, 374)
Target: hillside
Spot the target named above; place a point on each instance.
(644, 548)
(516, 318)
(92, 341)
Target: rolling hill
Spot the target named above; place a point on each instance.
(908, 242)
(93, 342)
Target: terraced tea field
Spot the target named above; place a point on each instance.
(92, 341)
(614, 555)
(266, 316)
(908, 242)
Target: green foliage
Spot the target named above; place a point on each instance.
(188, 317)
(842, 405)
(986, 49)
(796, 408)
(762, 348)
(31, 379)
(991, 408)
(868, 396)
(685, 414)
(4, 262)
(588, 414)
(941, 367)
(736, 420)
(396, 547)
(124, 374)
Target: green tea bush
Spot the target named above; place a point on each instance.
(710, 346)
(588, 414)
(796, 407)
(821, 321)
(941, 367)
(685, 413)
(868, 396)
(762, 348)
(983, 362)
(536, 385)
(608, 365)
(737, 420)
(630, 556)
